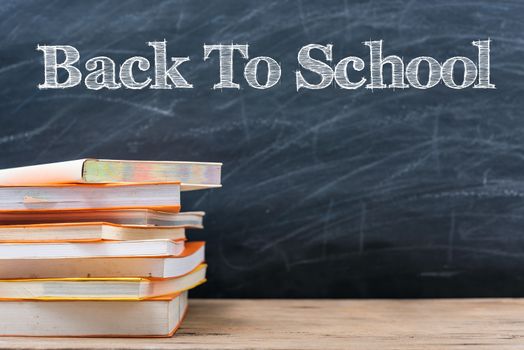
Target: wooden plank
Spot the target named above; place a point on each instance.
(327, 324)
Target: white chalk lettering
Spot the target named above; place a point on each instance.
(317, 69)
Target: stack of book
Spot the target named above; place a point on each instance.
(98, 247)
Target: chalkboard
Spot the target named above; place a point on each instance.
(326, 193)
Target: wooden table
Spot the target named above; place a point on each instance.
(493, 324)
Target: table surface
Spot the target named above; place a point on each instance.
(327, 324)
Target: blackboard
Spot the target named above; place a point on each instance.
(327, 193)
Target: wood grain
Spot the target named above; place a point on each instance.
(327, 324)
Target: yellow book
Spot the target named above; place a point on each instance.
(99, 288)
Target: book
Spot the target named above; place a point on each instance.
(87, 231)
(165, 196)
(159, 317)
(192, 175)
(123, 288)
(114, 216)
(97, 247)
(160, 247)
(147, 267)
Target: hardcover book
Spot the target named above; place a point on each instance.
(192, 175)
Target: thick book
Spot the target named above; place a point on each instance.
(159, 247)
(114, 216)
(161, 196)
(192, 175)
(158, 317)
(87, 232)
(146, 267)
(123, 288)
